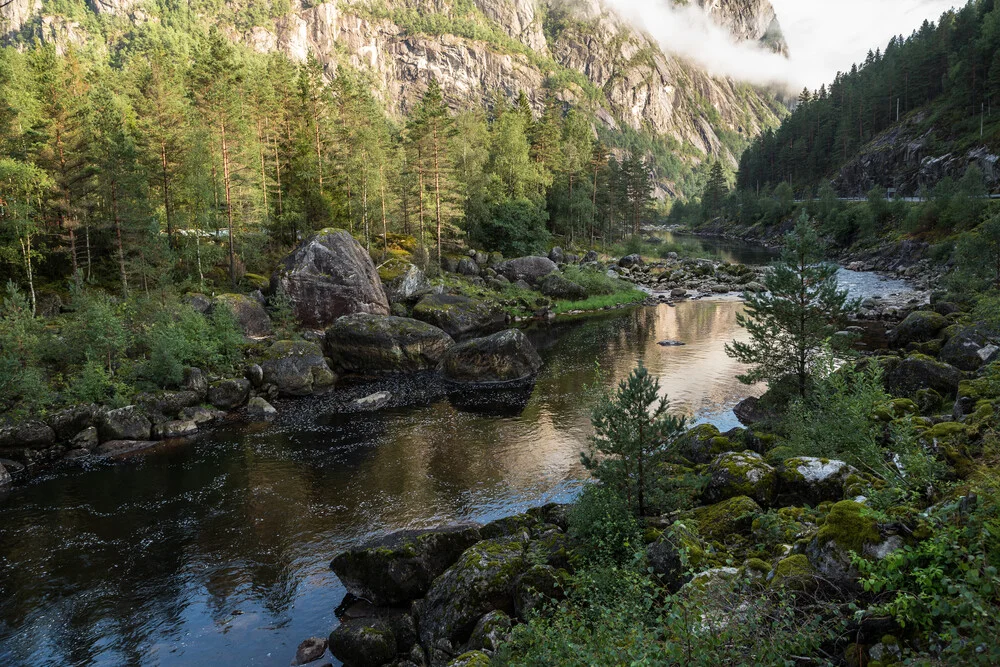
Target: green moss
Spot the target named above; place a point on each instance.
(847, 526)
(756, 566)
(945, 431)
(722, 520)
(794, 572)
(895, 409)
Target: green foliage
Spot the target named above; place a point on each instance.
(183, 337)
(22, 385)
(515, 227)
(596, 282)
(631, 428)
(600, 302)
(978, 258)
(791, 323)
(92, 384)
(604, 526)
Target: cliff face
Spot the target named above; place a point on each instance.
(576, 49)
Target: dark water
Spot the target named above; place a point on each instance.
(216, 552)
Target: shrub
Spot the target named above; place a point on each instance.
(595, 282)
(183, 337)
(604, 526)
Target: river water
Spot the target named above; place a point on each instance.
(217, 552)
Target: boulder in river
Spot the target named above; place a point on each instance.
(127, 423)
(296, 368)
(528, 269)
(329, 275)
(400, 567)
(505, 357)
(374, 638)
(259, 408)
(4, 477)
(229, 394)
(27, 435)
(458, 315)
(364, 343)
(174, 429)
(249, 313)
(919, 327)
(309, 650)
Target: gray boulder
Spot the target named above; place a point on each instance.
(309, 650)
(229, 394)
(806, 479)
(556, 286)
(491, 631)
(363, 343)
(402, 280)
(963, 349)
(329, 275)
(373, 639)
(195, 380)
(67, 423)
(400, 567)
(296, 368)
(506, 356)
(127, 423)
(87, 439)
(847, 530)
(557, 255)
(174, 429)
(528, 269)
(591, 256)
(631, 261)
(918, 327)
(482, 581)
(249, 313)
(918, 372)
(467, 267)
(27, 435)
(458, 315)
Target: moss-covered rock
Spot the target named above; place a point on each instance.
(677, 550)
(558, 287)
(810, 480)
(365, 344)
(918, 327)
(459, 315)
(536, 587)
(918, 372)
(481, 581)
(296, 368)
(846, 529)
(967, 349)
(928, 400)
(373, 637)
(952, 440)
(400, 567)
(401, 280)
(895, 409)
(700, 444)
(490, 632)
(729, 517)
(249, 313)
(471, 659)
(741, 474)
(795, 573)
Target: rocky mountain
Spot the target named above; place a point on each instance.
(578, 50)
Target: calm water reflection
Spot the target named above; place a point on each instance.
(218, 552)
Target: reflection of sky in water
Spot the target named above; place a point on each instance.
(218, 552)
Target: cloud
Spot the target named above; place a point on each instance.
(824, 36)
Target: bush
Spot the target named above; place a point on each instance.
(514, 227)
(595, 282)
(183, 337)
(91, 385)
(23, 385)
(602, 523)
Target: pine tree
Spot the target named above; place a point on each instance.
(716, 190)
(791, 323)
(631, 428)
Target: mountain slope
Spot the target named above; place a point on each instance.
(580, 52)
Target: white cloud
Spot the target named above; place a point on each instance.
(824, 36)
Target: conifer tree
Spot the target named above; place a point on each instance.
(791, 323)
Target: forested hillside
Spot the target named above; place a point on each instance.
(907, 117)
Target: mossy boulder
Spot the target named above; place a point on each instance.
(895, 409)
(296, 368)
(557, 287)
(919, 327)
(458, 315)
(795, 573)
(402, 280)
(729, 517)
(741, 474)
(128, 423)
(363, 343)
(329, 275)
(229, 394)
(536, 587)
(810, 480)
(529, 269)
(401, 567)
(846, 529)
(482, 580)
(490, 632)
(701, 444)
(678, 549)
(249, 313)
(471, 659)
(505, 357)
(952, 440)
(918, 372)
(38, 435)
(968, 348)
(374, 639)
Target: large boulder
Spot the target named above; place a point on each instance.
(249, 313)
(968, 349)
(67, 423)
(399, 568)
(372, 638)
(631, 261)
(27, 435)
(673, 553)
(730, 517)
(296, 368)
(506, 356)
(700, 444)
(918, 371)
(741, 474)
(528, 269)
(402, 280)
(556, 286)
(557, 255)
(458, 315)
(127, 423)
(329, 275)
(364, 343)
(918, 327)
(4, 477)
(229, 394)
(806, 479)
(481, 581)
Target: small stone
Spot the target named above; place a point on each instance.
(258, 407)
(309, 650)
(372, 401)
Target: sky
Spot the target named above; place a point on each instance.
(823, 36)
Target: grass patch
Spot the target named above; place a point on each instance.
(601, 301)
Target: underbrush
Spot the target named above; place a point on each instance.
(601, 302)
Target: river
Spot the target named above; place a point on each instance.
(218, 552)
